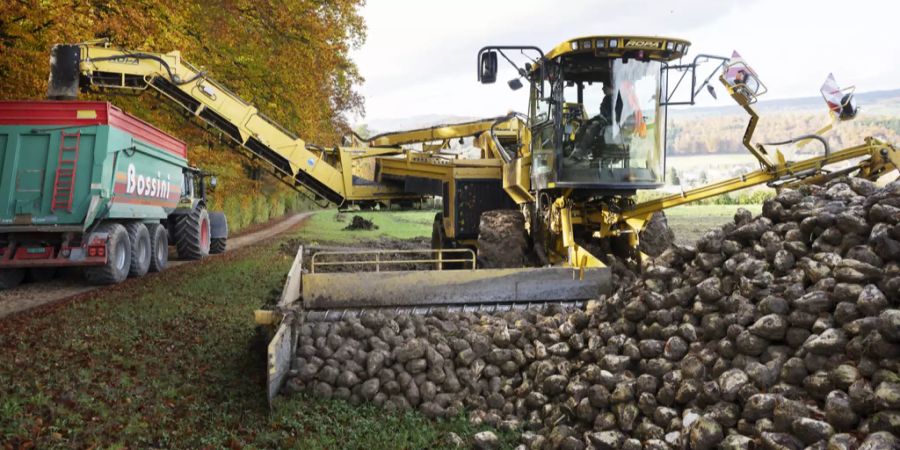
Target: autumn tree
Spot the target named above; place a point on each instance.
(289, 58)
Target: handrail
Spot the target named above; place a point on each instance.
(438, 261)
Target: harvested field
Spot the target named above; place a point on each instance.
(775, 331)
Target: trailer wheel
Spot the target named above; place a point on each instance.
(502, 240)
(159, 247)
(217, 245)
(10, 278)
(41, 274)
(118, 256)
(192, 234)
(139, 238)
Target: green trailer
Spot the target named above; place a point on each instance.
(86, 184)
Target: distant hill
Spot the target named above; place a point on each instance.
(875, 102)
(378, 126)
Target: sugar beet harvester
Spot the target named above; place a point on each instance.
(85, 184)
(553, 188)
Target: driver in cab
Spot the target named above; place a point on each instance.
(589, 138)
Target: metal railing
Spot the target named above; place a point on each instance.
(435, 258)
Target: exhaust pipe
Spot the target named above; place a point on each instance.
(64, 72)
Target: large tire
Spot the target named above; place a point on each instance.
(118, 256)
(139, 238)
(41, 274)
(217, 245)
(10, 278)
(502, 239)
(192, 234)
(159, 247)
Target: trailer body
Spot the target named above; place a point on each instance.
(67, 166)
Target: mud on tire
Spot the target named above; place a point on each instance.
(502, 239)
(192, 234)
(159, 247)
(118, 256)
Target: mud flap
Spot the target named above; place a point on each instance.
(336, 291)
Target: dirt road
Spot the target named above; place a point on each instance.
(70, 283)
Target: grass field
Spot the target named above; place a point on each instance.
(173, 360)
(690, 222)
(328, 226)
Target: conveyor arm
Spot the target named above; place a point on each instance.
(97, 66)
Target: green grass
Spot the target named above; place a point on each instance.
(325, 226)
(174, 361)
(690, 221)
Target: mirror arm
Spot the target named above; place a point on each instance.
(500, 48)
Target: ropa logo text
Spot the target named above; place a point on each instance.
(642, 43)
(126, 60)
(148, 186)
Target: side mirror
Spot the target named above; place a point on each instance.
(488, 68)
(515, 84)
(213, 182)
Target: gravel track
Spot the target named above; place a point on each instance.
(70, 283)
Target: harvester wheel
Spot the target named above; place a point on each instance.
(217, 245)
(502, 239)
(159, 247)
(118, 256)
(141, 250)
(192, 234)
(10, 278)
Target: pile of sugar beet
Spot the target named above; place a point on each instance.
(774, 332)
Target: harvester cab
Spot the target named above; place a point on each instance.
(597, 110)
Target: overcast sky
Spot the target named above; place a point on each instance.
(420, 56)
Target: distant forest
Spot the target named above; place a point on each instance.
(722, 134)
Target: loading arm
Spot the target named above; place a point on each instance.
(98, 67)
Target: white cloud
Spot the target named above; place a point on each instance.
(420, 55)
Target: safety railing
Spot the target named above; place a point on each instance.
(435, 259)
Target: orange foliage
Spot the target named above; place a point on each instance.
(289, 58)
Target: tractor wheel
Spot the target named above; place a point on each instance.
(10, 278)
(159, 247)
(141, 251)
(118, 256)
(192, 234)
(502, 239)
(217, 245)
(41, 274)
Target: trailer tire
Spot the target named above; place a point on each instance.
(41, 274)
(192, 234)
(139, 238)
(159, 247)
(217, 245)
(118, 256)
(10, 278)
(502, 239)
